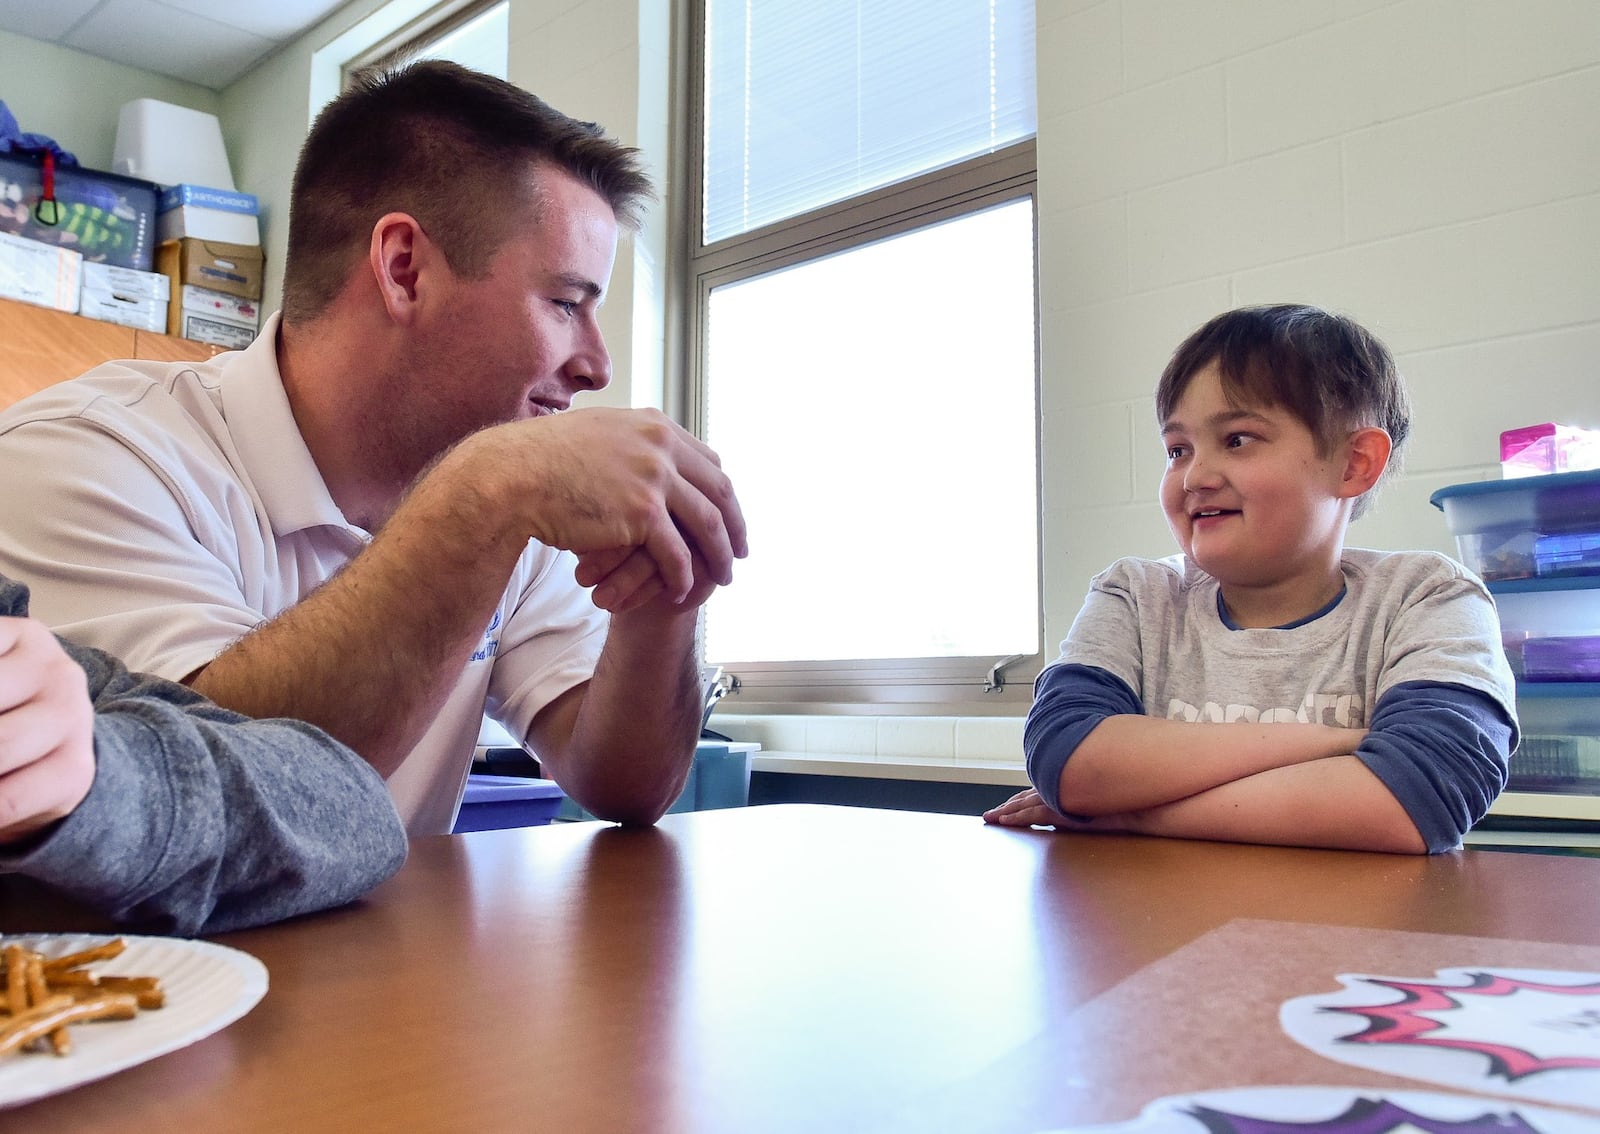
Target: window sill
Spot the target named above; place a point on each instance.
(895, 768)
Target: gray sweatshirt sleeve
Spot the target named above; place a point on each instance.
(200, 820)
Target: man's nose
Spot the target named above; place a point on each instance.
(590, 368)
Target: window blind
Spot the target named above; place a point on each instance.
(809, 102)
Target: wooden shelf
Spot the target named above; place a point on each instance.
(40, 347)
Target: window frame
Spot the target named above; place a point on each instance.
(973, 685)
(415, 36)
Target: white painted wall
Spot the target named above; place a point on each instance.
(75, 98)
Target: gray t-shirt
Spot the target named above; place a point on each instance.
(1405, 616)
(1414, 629)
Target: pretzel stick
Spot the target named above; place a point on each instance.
(16, 979)
(144, 989)
(76, 978)
(57, 1012)
(60, 1041)
(87, 956)
(39, 998)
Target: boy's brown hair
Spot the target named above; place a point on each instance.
(1325, 369)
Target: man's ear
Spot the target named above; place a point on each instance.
(398, 255)
(1366, 456)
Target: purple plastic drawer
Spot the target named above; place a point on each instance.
(1561, 659)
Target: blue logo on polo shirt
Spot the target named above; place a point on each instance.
(491, 644)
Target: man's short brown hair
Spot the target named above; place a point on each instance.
(452, 148)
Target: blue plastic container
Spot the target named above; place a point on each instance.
(494, 803)
(719, 777)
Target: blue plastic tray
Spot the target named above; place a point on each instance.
(494, 803)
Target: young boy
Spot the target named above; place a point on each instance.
(1269, 685)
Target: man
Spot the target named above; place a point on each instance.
(137, 797)
(324, 525)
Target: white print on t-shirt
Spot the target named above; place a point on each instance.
(1342, 709)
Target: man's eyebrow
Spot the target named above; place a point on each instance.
(580, 283)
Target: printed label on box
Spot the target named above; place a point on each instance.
(220, 305)
(130, 283)
(218, 332)
(147, 313)
(228, 200)
(39, 273)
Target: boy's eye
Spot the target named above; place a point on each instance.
(1236, 440)
(567, 306)
(1174, 452)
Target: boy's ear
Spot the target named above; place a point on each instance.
(1366, 456)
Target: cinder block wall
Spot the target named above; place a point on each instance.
(1430, 167)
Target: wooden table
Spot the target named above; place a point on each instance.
(762, 969)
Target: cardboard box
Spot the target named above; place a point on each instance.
(39, 273)
(219, 305)
(214, 317)
(104, 217)
(232, 268)
(208, 224)
(127, 282)
(203, 213)
(148, 313)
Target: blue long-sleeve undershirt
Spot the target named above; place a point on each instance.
(1440, 748)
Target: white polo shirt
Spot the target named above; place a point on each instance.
(162, 510)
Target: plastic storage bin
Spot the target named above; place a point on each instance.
(1537, 526)
(494, 803)
(110, 219)
(722, 775)
(719, 777)
(1541, 622)
(1563, 658)
(1535, 450)
(1560, 749)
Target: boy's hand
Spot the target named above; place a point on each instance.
(1025, 809)
(1028, 809)
(46, 730)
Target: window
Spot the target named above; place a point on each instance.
(473, 33)
(863, 344)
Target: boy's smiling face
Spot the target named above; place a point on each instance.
(1251, 500)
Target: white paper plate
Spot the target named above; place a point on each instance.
(208, 987)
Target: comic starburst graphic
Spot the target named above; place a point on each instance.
(1509, 1046)
(1365, 1116)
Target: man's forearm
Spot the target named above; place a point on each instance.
(631, 735)
(372, 654)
